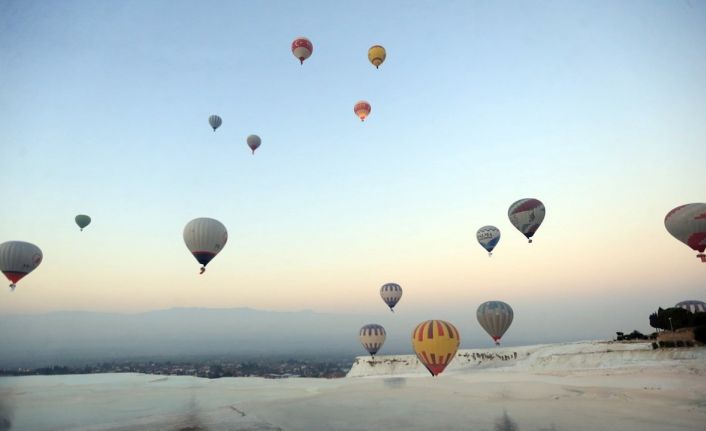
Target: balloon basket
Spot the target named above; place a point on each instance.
(702, 257)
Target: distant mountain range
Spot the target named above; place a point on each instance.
(78, 337)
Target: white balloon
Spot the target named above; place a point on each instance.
(17, 259)
(205, 238)
(526, 215)
(687, 223)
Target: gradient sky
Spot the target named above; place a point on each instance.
(597, 108)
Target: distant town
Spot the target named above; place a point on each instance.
(212, 369)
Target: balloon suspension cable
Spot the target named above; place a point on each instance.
(203, 269)
(702, 256)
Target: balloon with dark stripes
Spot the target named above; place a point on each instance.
(215, 122)
(372, 337)
(391, 293)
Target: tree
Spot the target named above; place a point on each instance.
(675, 318)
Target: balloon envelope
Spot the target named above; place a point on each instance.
(488, 237)
(687, 223)
(435, 342)
(362, 109)
(17, 259)
(254, 142)
(391, 294)
(693, 306)
(215, 121)
(527, 215)
(82, 220)
(205, 238)
(495, 317)
(372, 337)
(302, 48)
(377, 55)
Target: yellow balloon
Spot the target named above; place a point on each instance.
(376, 55)
(435, 342)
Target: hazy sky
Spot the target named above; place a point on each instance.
(596, 108)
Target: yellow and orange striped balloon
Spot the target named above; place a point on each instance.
(435, 342)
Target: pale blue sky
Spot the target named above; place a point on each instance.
(596, 108)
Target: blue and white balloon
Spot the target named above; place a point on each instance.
(488, 237)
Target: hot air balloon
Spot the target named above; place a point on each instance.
(254, 142)
(362, 109)
(526, 215)
(687, 223)
(205, 238)
(391, 294)
(495, 317)
(215, 121)
(82, 221)
(17, 259)
(693, 306)
(372, 337)
(488, 237)
(376, 55)
(435, 342)
(302, 48)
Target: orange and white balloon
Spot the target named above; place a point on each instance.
(362, 109)
(302, 48)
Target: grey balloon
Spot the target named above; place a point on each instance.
(495, 317)
(254, 142)
(215, 121)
